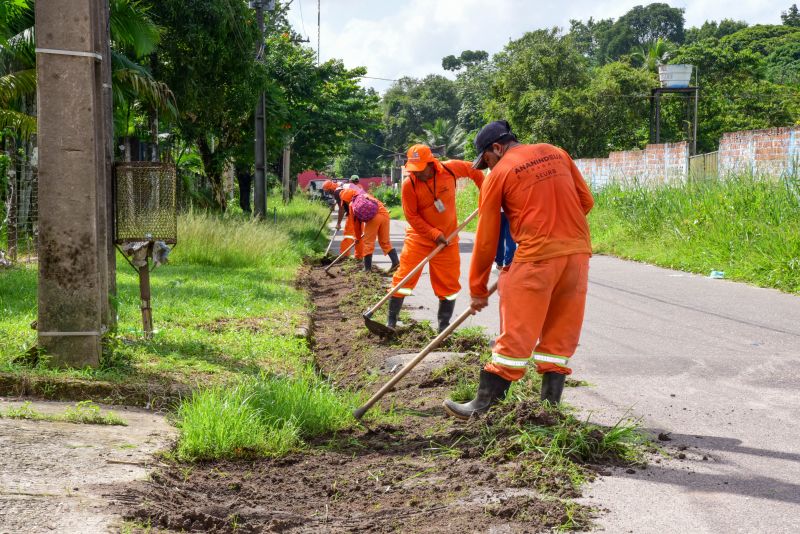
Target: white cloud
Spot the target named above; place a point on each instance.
(409, 38)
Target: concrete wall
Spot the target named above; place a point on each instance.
(656, 164)
(773, 151)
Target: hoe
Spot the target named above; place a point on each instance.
(382, 330)
(359, 412)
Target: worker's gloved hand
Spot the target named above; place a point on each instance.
(441, 240)
(338, 226)
(479, 303)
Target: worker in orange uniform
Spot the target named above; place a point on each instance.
(376, 227)
(349, 232)
(543, 293)
(429, 204)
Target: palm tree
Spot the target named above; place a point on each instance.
(133, 36)
(17, 70)
(446, 136)
(657, 53)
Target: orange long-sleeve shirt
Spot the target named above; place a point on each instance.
(418, 198)
(546, 201)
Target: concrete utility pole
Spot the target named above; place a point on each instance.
(260, 200)
(76, 261)
(287, 179)
(260, 193)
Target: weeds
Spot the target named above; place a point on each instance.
(85, 412)
(265, 416)
(743, 225)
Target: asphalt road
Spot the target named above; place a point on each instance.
(715, 364)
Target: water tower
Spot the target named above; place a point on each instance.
(675, 79)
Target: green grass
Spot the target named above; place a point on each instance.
(226, 304)
(743, 225)
(466, 203)
(264, 416)
(84, 412)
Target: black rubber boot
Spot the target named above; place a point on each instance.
(492, 388)
(395, 303)
(446, 308)
(395, 260)
(552, 387)
(368, 262)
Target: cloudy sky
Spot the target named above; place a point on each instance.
(395, 38)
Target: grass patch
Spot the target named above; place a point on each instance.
(225, 271)
(743, 225)
(264, 416)
(84, 412)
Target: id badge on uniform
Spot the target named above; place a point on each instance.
(439, 205)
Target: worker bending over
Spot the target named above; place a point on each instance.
(429, 204)
(543, 293)
(349, 232)
(369, 217)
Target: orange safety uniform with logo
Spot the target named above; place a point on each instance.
(349, 231)
(543, 293)
(376, 228)
(427, 223)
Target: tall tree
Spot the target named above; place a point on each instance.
(410, 103)
(643, 25)
(206, 56)
(791, 17)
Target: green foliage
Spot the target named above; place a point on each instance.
(265, 416)
(714, 29)
(791, 17)
(446, 136)
(466, 59)
(410, 103)
(742, 225)
(387, 194)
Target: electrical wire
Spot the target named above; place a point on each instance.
(302, 22)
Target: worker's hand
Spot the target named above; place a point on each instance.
(442, 240)
(338, 227)
(479, 303)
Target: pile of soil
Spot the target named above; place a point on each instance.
(423, 473)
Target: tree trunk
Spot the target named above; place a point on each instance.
(213, 170)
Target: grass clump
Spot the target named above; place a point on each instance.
(84, 412)
(743, 225)
(265, 416)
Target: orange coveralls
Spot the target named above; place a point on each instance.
(376, 228)
(426, 224)
(543, 294)
(349, 231)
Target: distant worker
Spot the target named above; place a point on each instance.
(543, 293)
(429, 204)
(354, 180)
(370, 218)
(349, 235)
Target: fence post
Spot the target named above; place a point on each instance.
(12, 206)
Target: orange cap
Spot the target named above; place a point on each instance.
(329, 186)
(418, 158)
(348, 194)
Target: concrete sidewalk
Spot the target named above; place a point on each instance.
(715, 364)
